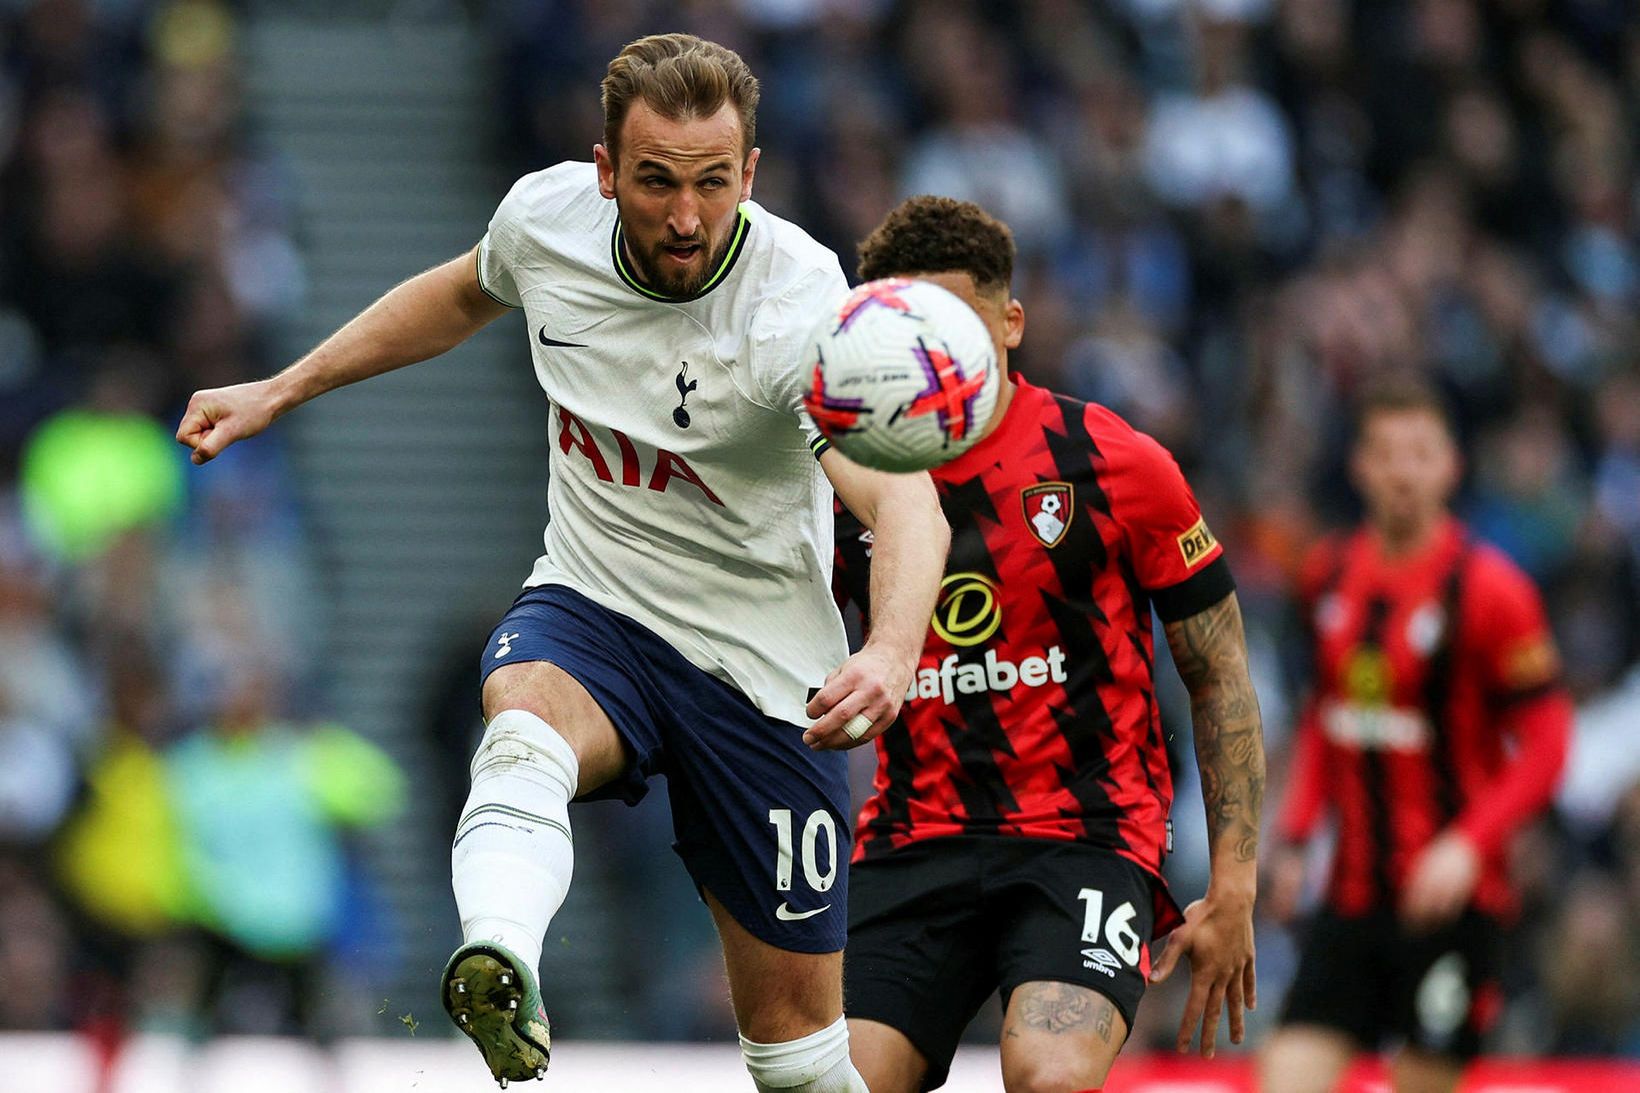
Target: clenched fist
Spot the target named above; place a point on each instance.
(216, 418)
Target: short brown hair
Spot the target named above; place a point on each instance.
(680, 77)
(926, 234)
(1400, 394)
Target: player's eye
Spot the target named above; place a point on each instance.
(713, 184)
(655, 182)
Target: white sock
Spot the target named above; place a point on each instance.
(513, 853)
(816, 1063)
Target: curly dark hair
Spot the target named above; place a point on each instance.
(927, 234)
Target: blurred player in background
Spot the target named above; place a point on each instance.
(681, 612)
(1020, 815)
(1436, 729)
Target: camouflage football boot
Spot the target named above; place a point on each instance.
(491, 996)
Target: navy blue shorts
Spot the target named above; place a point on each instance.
(761, 821)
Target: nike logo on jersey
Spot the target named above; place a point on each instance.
(680, 416)
(786, 914)
(541, 336)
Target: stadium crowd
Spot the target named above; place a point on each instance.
(1232, 214)
(173, 811)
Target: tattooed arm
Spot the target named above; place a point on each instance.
(1211, 653)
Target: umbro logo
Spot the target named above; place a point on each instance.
(786, 914)
(1101, 960)
(541, 336)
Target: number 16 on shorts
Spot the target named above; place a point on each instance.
(1118, 933)
(818, 828)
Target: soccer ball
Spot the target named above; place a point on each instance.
(905, 376)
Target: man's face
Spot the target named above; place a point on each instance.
(1406, 466)
(678, 186)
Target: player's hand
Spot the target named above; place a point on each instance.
(1217, 935)
(1283, 884)
(1442, 879)
(870, 684)
(216, 418)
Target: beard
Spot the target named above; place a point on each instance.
(657, 271)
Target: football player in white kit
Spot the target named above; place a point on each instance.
(680, 620)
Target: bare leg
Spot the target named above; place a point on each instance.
(1059, 1037)
(552, 694)
(777, 995)
(789, 1007)
(1416, 1071)
(888, 1061)
(1304, 1059)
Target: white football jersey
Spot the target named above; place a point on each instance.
(685, 488)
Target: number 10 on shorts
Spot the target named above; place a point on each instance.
(819, 820)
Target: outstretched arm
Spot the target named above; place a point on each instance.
(911, 538)
(1210, 650)
(421, 318)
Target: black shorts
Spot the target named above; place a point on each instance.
(1370, 978)
(937, 926)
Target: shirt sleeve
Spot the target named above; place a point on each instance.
(1521, 671)
(498, 251)
(1175, 556)
(1519, 659)
(780, 332)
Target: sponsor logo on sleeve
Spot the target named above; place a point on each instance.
(1196, 544)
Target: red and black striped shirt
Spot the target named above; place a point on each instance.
(1436, 707)
(1033, 712)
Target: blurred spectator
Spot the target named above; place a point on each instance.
(1527, 498)
(977, 149)
(262, 808)
(1591, 975)
(91, 473)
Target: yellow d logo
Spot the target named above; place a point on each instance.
(969, 610)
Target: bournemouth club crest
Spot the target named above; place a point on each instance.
(1048, 510)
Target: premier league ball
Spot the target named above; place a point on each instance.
(904, 376)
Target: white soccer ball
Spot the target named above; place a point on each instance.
(904, 376)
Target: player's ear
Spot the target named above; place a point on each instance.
(1014, 318)
(606, 170)
(747, 172)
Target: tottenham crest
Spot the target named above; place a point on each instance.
(1048, 510)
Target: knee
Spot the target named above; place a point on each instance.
(1055, 1072)
(519, 741)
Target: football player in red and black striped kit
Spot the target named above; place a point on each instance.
(1016, 834)
(1436, 729)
